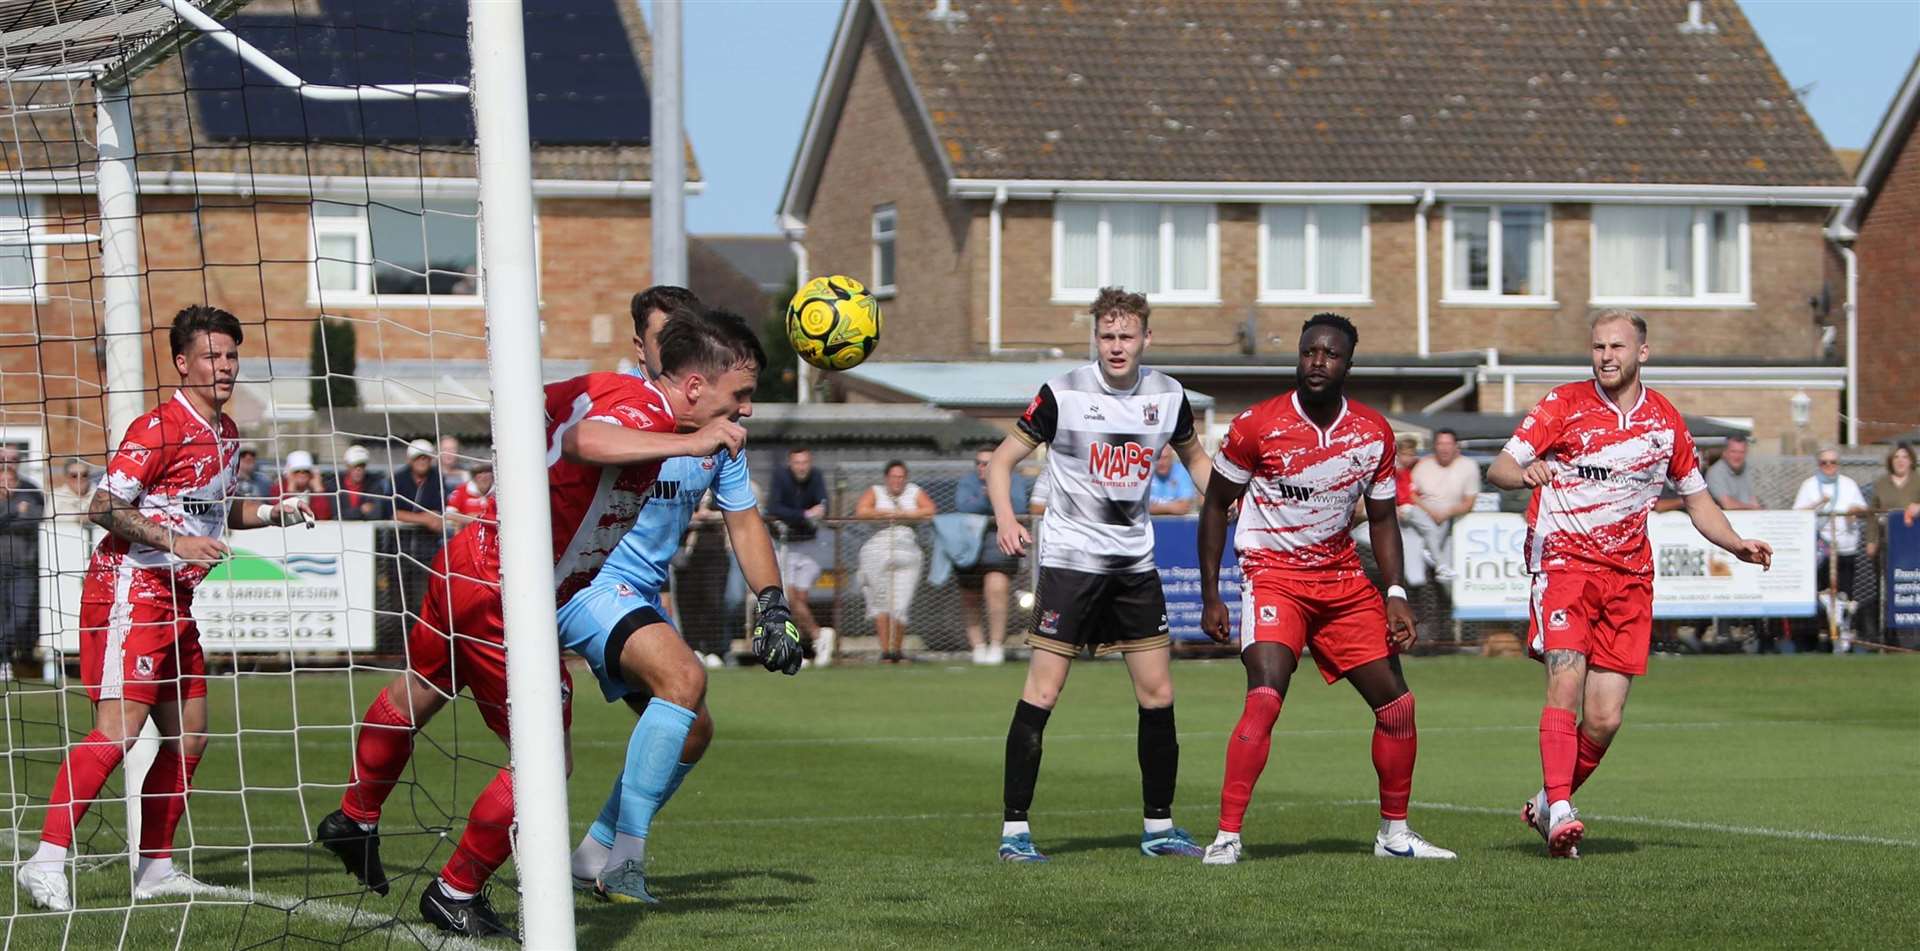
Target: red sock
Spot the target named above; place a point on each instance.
(1558, 749)
(77, 784)
(380, 754)
(485, 844)
(1247, 751)
(163, 800)
(1395, 746)
(1588, 761)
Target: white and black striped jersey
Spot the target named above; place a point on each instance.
(1103, 446)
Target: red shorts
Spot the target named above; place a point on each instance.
(143, 650)
(1339, 614)
(459, 642)
(1606, 615)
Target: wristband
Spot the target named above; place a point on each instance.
(1395, 591)
(264, 513)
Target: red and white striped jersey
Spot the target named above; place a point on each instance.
(468, 502)
(595, 506)
(1609, 466)
(174, 468)
(1302, 483)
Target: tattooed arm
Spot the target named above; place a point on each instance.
(124, 520)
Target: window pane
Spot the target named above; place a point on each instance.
(1469, 248)
(1286, 247)
(419, 251)
(336, 265)
(1135, 246)
(1341, 248)
(1190, 247)
(1643, 252)
(1523, 250)
(883, 262)
(1676, 261)
(334, 209)
(1079, 245)
(1723, 252)
(16, 266)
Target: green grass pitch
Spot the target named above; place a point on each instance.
(1749, 802)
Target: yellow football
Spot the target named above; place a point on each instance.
(833, 322)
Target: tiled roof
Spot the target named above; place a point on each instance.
(1579, 91)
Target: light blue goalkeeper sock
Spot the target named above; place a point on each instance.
(603, 826)
(653, 757)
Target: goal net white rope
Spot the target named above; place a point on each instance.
(309, 166)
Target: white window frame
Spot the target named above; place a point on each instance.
(890, 234)
(1210, 295)
(35, 223)
(360, 227)
(1313, 295)
(1492, 297)
(1700, 297)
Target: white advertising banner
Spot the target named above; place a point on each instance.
(300, 589)
(1693, 578)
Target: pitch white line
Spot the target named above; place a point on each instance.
(1765, 832)
(1683, 824)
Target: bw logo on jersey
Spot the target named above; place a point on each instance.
(1112, 461)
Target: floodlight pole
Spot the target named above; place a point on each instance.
(669, 201)
(519, 439)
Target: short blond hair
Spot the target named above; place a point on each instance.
(1612, 314)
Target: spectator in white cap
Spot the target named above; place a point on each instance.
(362, 494)
(418, 494)
(299, 479)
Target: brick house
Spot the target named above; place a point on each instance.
(281, 211)
(1883, 227)
(1467, 181)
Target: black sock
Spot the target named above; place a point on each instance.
(1023, 758)
(1159, 761)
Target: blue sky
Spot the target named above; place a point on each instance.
(752, 65)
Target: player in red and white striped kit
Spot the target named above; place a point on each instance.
(473, 500)
(1597, 453)
(1297, 464)
(164, 503)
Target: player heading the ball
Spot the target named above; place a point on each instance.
(1596, 454)
(1105, 422)
(607, 435)
(1296, 465)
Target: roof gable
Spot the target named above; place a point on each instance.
(1605, 91)
(1889, 140)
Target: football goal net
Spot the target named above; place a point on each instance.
(356, 181)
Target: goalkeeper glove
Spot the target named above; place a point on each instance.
(775, 639)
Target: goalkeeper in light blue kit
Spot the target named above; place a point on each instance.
(616, 623)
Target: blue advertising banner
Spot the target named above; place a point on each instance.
(1903, 573)
(1176, 553)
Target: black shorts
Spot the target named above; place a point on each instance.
(1079, 610)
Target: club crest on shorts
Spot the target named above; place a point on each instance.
(620, 588)
(1049, 622)
(1269, 614)
(1558, 619)
(143, 667)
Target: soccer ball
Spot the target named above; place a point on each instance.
(833, 323)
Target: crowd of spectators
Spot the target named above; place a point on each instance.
(438, 491)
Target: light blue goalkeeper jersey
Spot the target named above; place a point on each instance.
(641, 558)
